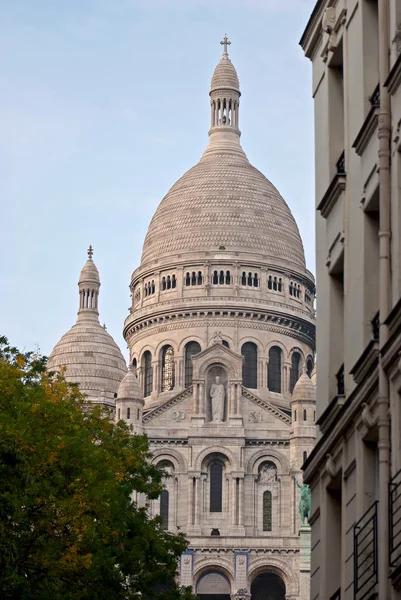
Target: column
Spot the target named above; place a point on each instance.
(190, 500)
(234, 501)
(201, 399)
(196, 499)
(241, 501)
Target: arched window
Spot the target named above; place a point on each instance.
(280, 285)
(216, 487)
(267, 511)
(168, 369)
(128, 413)
(193, 278)
(250, 365)
(305, 416)
(255, 280)
(305, 455)
(200, 277)
(168, 282)
(291, 288)
(147, 373)
(228, 277)
(275, 284)
(187, 279)
(173, 281)
(191, 349)
(163, 283)
(146, 289)
(294, 371)
(225, 343)
(249, 278)
(153, 286)
(274, 370)
(309, 367)
(221, 277)
(164, 502)
(134, 366)
(215, 277)
(270, 283)
(243, 278)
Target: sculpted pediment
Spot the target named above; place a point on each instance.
(217, 353)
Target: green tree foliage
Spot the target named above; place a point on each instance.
(70, 526)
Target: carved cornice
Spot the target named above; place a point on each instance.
(333, 192)
(367, 130)
(285, 325)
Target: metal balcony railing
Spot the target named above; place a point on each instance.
(336, 595)
(365, 554)
(395, 519)
(375, 97)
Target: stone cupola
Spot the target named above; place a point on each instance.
(129, 402)
(303, 432)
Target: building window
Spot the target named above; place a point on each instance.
(305, 416)
(216, 487)
(164, 502)
(147, 373)
(305, 455)
(309, 367)
(200, 278)
(294, 371)
(128, 414)
(138, 414)
(119, 414)
(191, 349)
(267, 511)
(250, 365)
(243, 278)
(168, 369)
(225, 343)
(274, 370)
(295, 415)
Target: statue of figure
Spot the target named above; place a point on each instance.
(305, 503)
(268, 474)
(217, 395)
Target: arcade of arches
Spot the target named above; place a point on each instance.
(214, 585)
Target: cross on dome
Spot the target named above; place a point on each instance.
(225, 42)
(90, 251)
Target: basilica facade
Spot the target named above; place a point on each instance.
(221, 337)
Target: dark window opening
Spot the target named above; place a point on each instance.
(216, 487)
(267, 511)
(274, 370)
(294, 371)
(128, 413)
(147, 373)
(250, 365)
(191, 349)
(164, 502)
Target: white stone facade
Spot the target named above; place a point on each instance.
(220, 328)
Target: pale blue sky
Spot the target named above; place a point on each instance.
(103, 105)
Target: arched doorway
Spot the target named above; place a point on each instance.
(213, 586)
(268, 586)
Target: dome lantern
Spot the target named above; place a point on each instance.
(89, 286)
(224, 94)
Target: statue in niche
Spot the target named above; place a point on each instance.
(217, 397)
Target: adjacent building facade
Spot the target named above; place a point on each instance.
(354, 471)
(221, 336)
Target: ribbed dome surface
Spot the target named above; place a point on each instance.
(224, 76)
(129, 387)
(93, 359)
(89, 273)
(224, 201)
(304, 389)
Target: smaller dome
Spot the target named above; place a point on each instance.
(304, 389)
(129, 387)
(89, 273)
(225, 76)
